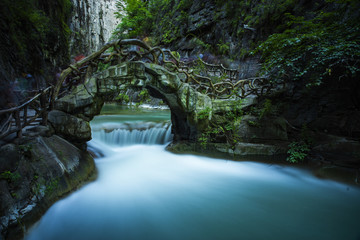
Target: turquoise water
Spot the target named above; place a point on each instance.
(144, 192)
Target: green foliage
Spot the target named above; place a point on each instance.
(10, 176)
(204, 139)
(226, 127)
(253, 123)
(233, 118)
(184, 4)
(52, 186)
(236, 112)
(319, 49)
(25, 148)
(199, 42)
(123, 97)
(209, 135)
(14, 195)
(40, 22)
(103, 66)
(264, 14)
(136, 20)
(158, 18)
(264, 109)
(144, 96)
(224, 48)
(297, 152)
(166, 20)
(35, 30)
(244, 53)
(204, 114)
(169, 35)
(268, 109)
(176, 55)
(36, 188)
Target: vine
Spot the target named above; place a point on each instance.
(226, 127)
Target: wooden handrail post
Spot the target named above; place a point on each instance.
(25, 115)
(18, 123)
(43, 106)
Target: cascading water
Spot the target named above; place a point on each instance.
(143, 192)
(134, 133)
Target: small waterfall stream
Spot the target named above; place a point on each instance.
(135, 133)
(143, 192)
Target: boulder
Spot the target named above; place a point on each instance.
(70, 127)
(47, 169)
(252, 149)
(339, 151)
(8, 151)
(252, 129)
(248, 151)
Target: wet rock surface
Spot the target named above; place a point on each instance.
(34, 174)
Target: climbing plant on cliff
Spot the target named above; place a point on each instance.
(171, 21)
(318, 49)
(159, 19)
(34, 31)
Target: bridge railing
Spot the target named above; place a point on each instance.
(221, 82)
(38, 106)
(216, 81)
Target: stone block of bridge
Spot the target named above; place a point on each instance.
(226, 105)
(113, 79)
(162, 79)
(80, 97)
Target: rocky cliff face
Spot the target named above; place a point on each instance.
(33, 39)
(92, 24)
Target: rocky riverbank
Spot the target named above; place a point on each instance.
(35, 172)
(332, 157)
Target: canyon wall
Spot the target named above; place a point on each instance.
(92, 23)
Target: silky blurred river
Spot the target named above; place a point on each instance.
(144, 192)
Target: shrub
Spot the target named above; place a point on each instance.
(318, 49)
(268, 109)
(297, 152)
(10, 176)
(204, 114)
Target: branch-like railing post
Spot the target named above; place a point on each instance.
(18, 123)
(43, 106)
(25, 115)
(21, 121)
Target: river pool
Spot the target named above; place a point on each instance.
(144, 192)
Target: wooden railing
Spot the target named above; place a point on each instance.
(39, 104)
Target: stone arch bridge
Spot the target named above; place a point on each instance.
(187, 93)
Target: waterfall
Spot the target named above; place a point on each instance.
(134, 133)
